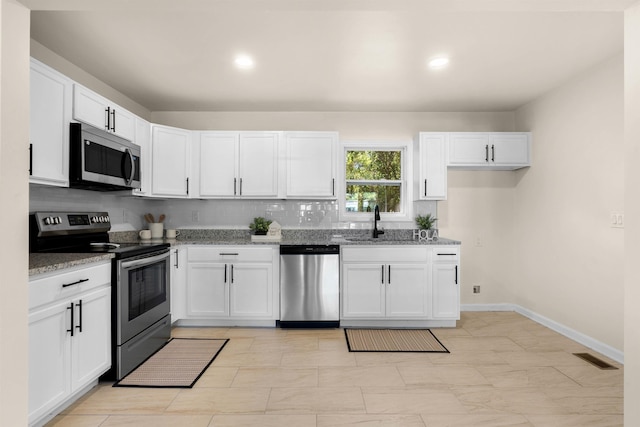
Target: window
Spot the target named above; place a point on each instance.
(374, 174)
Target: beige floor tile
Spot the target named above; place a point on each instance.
(467, 357)
(318, 358)
(315, 400)
(411, 400)
(220, 401)
(157, 420)
(77, 421)
(588, 375)
(577, 420)
(263, 421)
(385, 376)
(524, 400)
(442, 375)
(245, 359)
(217, 376)
(493, 343)
(589, 400)
(509, 376)
(285, 344)
(126, 400)
(276, 377)
(370, 421)
(478, 420)
(395, 359)
(238, 345)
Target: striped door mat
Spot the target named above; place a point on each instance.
(393, 340)
(178, 364)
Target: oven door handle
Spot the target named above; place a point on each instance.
(144, 261)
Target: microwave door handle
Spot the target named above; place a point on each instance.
(133, 166)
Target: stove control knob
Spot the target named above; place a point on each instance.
(106, 219)
(57, 220)
(101, 219)
(47, 221)
(94, 219)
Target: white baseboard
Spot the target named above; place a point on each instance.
(579, 337)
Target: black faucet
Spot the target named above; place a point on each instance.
(376, 218)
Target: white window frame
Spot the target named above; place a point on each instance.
(406, 195)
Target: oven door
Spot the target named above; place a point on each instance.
(142, 293)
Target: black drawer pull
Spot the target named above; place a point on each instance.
(65, 285)
(447, 254)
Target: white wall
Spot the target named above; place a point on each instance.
(14, 190)
(632, 212)
(568, 259)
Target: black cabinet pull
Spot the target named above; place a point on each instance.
(107, 121)
(231, 273)
(382, 275)
(235, 182)
(493, 153)
(446, 254)
(486, 153)
(187, 186)
(65, 285)
(389, 276)
(456, 274)
(30, 159)
(176, 265)
(241, 186)
(333, 186)
(79, 327)
(72, 321)
(425, 188)
(225, 273)
(113, 122)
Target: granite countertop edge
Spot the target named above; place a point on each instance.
(41, 263)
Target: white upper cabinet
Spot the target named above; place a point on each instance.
(311, 159)
(430, 166)
(95, 110)
(170, 150)
(489, 150)
(236, 164)
(50, 114)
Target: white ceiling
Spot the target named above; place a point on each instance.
(331, 55)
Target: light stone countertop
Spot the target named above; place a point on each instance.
(40, 263)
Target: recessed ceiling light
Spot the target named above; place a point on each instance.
(439, 62)
(244, 62)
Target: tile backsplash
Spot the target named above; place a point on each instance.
(127, 212)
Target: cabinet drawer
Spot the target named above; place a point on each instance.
(48, 289)
(446, 254)
(385, 254)
(230, 254)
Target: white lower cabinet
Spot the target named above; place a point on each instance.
(69, 336)
(385, 282)
(400, 286)
(228, 285)
(445, 278)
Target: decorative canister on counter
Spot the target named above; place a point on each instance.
(425, 235)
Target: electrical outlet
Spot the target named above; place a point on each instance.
(195, 216)
(617, 220)
(476, 289)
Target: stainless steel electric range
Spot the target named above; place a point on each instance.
(141, 319)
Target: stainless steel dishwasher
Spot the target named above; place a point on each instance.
(309, 286)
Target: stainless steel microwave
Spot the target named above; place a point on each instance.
(102, 161)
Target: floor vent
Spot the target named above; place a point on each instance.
(594, 361)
